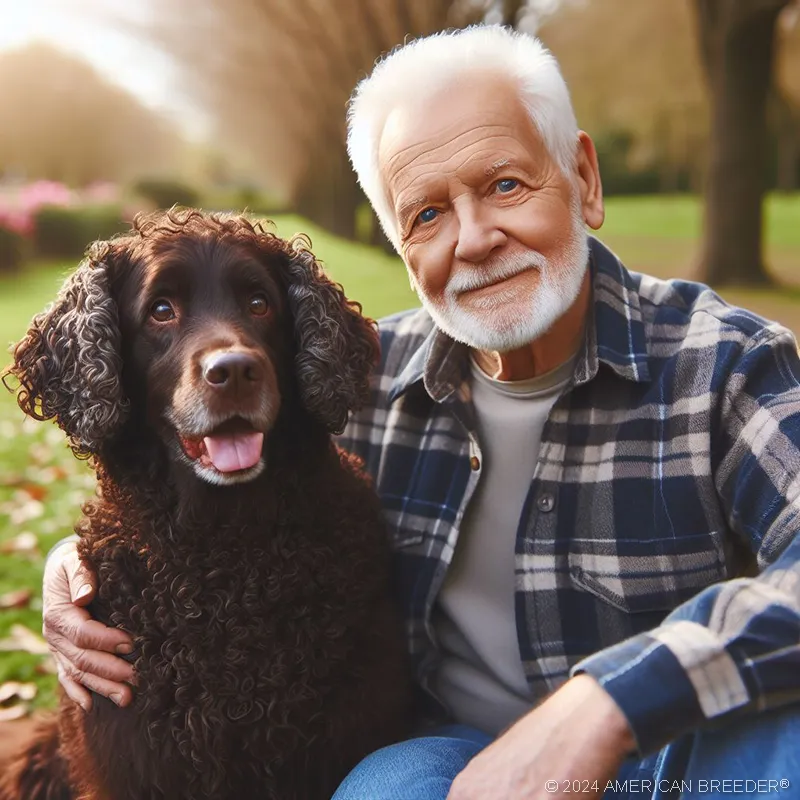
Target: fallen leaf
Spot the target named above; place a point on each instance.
(14, 689)
(15, 700)
(27, 510)
(25, 543)
(34, 491)
(17, 711)
(52, 474)
(24, 639)
(20, 598)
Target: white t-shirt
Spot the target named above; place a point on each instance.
(481, 679)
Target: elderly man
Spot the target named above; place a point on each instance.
(579, 466)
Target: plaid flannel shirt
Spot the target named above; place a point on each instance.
(657, 549)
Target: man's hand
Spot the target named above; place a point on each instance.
(82, 646)
(577, 738)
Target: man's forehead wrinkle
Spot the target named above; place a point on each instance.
(421, 182)
(425, 146)
(494, 147)
(416, 163)
(453, 163)
(470, 166)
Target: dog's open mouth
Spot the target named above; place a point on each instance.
(233, 446)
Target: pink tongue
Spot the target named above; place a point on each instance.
(231, 453)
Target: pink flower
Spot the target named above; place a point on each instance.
(101, 192)
(45, 193)
(17, 220)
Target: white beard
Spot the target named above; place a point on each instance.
(503, 325)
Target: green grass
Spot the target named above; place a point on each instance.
(42, 486)
(680, 217)
(661, 236)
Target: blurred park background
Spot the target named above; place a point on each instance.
(108, 107)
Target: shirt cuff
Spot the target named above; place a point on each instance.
(650, 686)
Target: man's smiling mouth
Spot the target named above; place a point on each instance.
(498, 291)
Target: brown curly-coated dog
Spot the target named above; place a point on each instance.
(202, 364)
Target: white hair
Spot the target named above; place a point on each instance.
(431, 63)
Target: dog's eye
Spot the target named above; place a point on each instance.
(258, 305)
(162, 311)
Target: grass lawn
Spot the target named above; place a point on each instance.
(42, 486)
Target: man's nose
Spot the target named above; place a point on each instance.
(236, 373)
(478, 234)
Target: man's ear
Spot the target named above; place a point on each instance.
(590, 186)
(68, 365)
(337, 346)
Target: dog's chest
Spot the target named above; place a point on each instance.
(237, 650)
(234, 606)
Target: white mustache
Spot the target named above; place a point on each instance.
(467, 279)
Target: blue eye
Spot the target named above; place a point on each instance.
(507, 185)
(428, 215)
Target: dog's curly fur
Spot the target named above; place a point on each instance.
(268, 655)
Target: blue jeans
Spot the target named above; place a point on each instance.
(752, 757)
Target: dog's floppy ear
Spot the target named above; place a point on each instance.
(337, 347)
(68, 365)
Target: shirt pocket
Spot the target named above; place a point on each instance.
(647, 575)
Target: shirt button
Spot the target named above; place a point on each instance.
(475, 462)
(546, 502)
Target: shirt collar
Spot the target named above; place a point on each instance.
(615, 336)
(440, 363)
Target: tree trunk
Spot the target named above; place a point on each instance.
(737, 47)
(788, 160)
(786, 126)
(329, 194)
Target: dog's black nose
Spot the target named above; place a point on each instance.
(232, 370)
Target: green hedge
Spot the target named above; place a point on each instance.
(12, 250)
(166, 193)
(67, 232)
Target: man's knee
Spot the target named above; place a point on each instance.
(423, 768)
(736, 755)
(760, 742)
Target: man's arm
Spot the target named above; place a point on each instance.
(81, 646)
(735, 647)
(573, 743)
